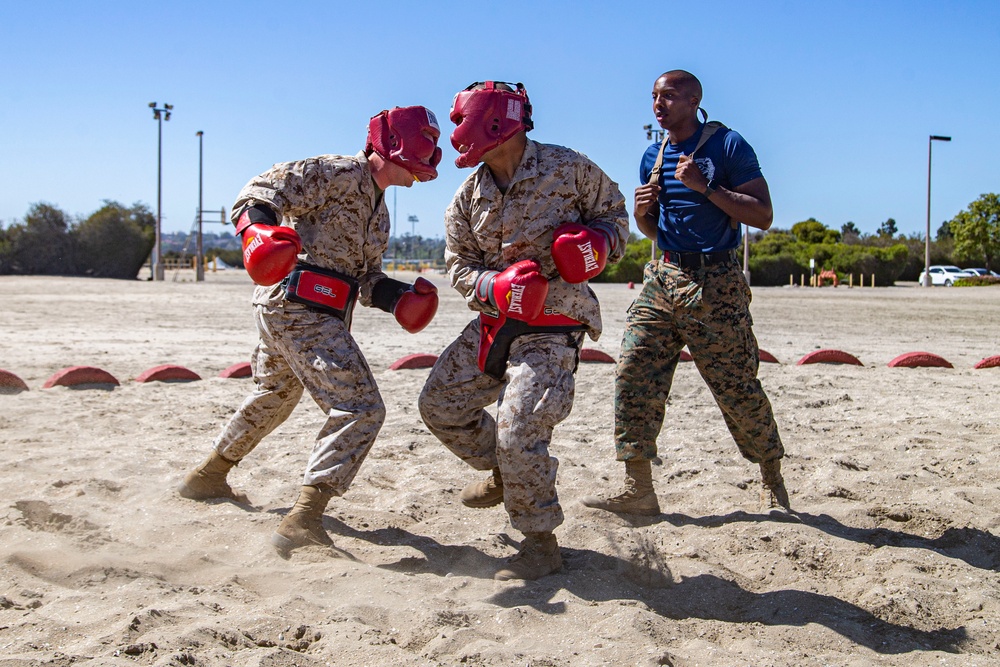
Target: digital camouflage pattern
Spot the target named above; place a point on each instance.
(303, 349)
(707, 309)
(535, 395)
(331, 201)
(489, 230)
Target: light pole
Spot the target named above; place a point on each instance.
(413, 227)
(159, 115)
(927, 238)
(199, 271)
(746, 252)
(658, 136)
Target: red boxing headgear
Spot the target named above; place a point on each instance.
(486, 117)
(408, 137)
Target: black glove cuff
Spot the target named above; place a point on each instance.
(386, 293)
(258, 214)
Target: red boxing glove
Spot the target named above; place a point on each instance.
(580, 252)
(270, 253)
(519, 291)
(416, 307)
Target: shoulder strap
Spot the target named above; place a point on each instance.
(654, 174)
(711, 127)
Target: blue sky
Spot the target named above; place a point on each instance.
(838, 98)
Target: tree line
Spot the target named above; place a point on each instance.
(115, 241)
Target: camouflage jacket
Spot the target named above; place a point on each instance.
(489, 230)
(332, 202)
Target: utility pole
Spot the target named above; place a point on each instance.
(199, 272)
(658, 135)
(159, 115)
(413, 234)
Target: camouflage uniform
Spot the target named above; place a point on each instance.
(489, 230)
(707, 309)
(332, 203)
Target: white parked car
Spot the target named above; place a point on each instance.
(944, 275)
(984, 272)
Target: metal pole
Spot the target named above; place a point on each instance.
(746, 252)
(158, 266)
(394, 231)
(927, 238)
(199, 274)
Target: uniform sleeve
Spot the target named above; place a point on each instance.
(741, 160)
(290, 189)
(375, 245)
(602, 205)
(463, 256)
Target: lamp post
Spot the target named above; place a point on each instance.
(159, 115)
(199, 271)
(413, 220)
(652, 134)
(927, 238)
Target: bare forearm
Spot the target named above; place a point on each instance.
(745, 208)
(647, 225)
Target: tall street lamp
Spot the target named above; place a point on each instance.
(927, 238)
(652, 134)
(199, 272)
(159, 115)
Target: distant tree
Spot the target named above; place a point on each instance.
(977, 230)
(814, 231)
(888, 228)
(115, 241)
(41, 244)
(944, 231)
(849, 233)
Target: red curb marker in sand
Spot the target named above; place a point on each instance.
(77, 375)
(10, 383)
(989, 362)
(829, 357)
(590, 354)
(240, 370)
(767, 357)
(919, 360)
(411, 361)
(168, 373)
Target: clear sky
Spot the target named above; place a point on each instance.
(838, 98)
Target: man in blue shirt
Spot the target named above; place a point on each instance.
(696, 296)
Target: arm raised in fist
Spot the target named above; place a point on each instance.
(519, 291)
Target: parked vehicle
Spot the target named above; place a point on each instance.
(983, 272)
(944, 275)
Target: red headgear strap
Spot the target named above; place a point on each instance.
(408, 137)
(486, 117)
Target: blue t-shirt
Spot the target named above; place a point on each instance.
(689, 222)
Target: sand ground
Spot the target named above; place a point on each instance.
(894, 471)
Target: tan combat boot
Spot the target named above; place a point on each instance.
(208, 481)
(773, 495)
(638, 497)
(488, 493)
(303, 525)
(539, 556)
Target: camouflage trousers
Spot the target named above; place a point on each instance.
(535, 394)
(303, 349)
(707, 309)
